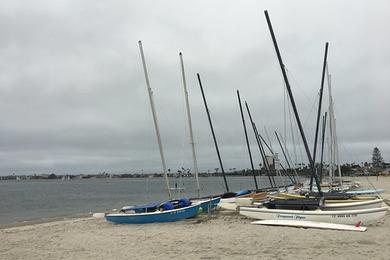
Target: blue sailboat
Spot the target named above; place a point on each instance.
(208, 204)
(168, 211)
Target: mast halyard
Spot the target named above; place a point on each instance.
(288, 155)
(293, 103)
(247, 141)
(150, 92)
(212, 132)
(261, 148)
(190, 125)
(319, 110)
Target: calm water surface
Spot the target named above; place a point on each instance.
(41, 199)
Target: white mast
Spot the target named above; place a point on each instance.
(331, 139)
(332, 124)
(154, 118)
(190, 124)
(337, 155)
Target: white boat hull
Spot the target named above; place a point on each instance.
(355, 205)
(244, 201)
(227, 205)
(309, 224)
(349, 217)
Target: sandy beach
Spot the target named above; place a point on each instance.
(224, 235)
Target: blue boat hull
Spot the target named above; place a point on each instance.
(153, 217)
(210, 204)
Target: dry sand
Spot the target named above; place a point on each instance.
(223, 236)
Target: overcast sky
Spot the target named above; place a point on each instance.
(73, 97)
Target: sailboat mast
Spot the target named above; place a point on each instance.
(261, 148)
(293, 103)
(319, 110)
(190, 125)
(334, 135)
(247, 141)
(331, 135)
(323, 144)
(150, 92)
(212, 132)
(337, 155)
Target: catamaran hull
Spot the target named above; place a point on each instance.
(152, 217)
(227, 205)
(309, 224)
(244, 200)
(349, 217)
(365, 192)
(354, 205)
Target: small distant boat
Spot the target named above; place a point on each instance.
(155, 212)
(349, 217)
(310, 224)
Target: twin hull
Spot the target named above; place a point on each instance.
(351, 217)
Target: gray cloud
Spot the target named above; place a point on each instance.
(73, 96)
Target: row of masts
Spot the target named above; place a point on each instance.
(315, 175)
(260, 140)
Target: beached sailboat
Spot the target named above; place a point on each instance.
(314, 208)
(168, 211)
(207, 203)
(228, 199)
(163, 212)
(350, 217)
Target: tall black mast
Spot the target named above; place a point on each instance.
(212, 131)
(319, 110)
(246, 138)
(322, 143)
(293, 102)
(262, 153)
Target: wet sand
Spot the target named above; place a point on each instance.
(222, 236)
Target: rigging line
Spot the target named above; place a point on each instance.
(308, 116)
(372, 185)
(284, 110)
(311, 109)
(268, 139)
(288, 155)
(295, 135)
(285, 157)
(291, 76)
(292, 137)
(306, 96)
(212, 131)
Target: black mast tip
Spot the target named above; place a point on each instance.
(180, 53)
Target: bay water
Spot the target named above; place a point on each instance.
(28, 200)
